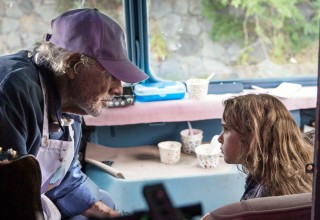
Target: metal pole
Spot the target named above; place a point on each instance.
(315, 214)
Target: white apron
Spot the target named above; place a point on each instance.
(54, 156)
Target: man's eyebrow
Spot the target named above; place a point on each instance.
(108, 74)
(105, 72)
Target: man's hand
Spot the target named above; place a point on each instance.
(101, 210)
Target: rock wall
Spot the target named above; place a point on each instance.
(23, 23)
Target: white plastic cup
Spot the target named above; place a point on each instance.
(197, 88)
(170, 152)
(215, 142)
(190, 142)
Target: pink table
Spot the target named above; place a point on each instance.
(188, 110)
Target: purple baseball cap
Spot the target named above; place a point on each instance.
(89, 32)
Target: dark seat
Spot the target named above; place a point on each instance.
(291, 207)
(20, 183)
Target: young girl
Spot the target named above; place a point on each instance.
(259, 133)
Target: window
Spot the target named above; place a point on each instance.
(237, 40)
(24, 23)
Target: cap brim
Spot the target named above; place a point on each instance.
(124, 70)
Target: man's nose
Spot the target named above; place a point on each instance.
(116, 89)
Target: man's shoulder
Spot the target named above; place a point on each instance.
(16, 65)
(19, 80)
(16, 70)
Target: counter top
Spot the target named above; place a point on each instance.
(141, 162)
(210, 107)
(185, 182)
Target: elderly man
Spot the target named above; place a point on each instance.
(43, 94)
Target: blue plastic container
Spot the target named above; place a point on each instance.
(159, 91)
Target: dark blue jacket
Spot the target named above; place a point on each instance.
(21, 119)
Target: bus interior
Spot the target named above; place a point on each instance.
(238, 46)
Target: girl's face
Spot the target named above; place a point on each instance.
(230, 144)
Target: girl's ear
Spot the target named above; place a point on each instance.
(71, 61)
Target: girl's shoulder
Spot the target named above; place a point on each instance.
(254, 189)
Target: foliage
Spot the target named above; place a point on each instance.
(282, 27)
(158, 46)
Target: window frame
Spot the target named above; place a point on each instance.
(137, 42)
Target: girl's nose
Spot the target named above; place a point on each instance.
(220, 139)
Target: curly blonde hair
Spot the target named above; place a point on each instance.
(273, 150)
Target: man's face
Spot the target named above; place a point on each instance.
(91, 88)
(230, 144)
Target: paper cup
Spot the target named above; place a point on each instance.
(189, 143)
(169, 152)
(197, 88)
(216, 144)
(208, 155)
